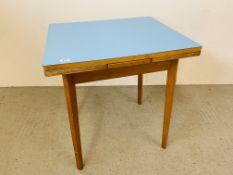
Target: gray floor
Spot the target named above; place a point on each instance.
(118, 136)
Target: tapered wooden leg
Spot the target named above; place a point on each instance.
(171, 82)
(140, 83)
(71, 101)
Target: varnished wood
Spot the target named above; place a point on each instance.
(69, 85)
(171, 82)
(128, 63)
(120, 72)
(140, 84)
(174, 57)
(76, 70)
(59, 69)
(71, 101)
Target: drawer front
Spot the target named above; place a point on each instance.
(128, 63)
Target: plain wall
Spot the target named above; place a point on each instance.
(24, 23)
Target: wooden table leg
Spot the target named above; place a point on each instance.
(140, 82)
(171, 82)
(71, 101)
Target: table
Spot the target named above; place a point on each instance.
(98, 50)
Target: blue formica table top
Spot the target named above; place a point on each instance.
(95, 40)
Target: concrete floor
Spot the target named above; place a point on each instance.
(118, 136)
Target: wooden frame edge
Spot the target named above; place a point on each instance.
(102, 64)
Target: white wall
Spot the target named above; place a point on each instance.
(23, 27)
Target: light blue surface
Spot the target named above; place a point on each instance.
(87, 41)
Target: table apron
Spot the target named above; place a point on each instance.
(83, 77)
